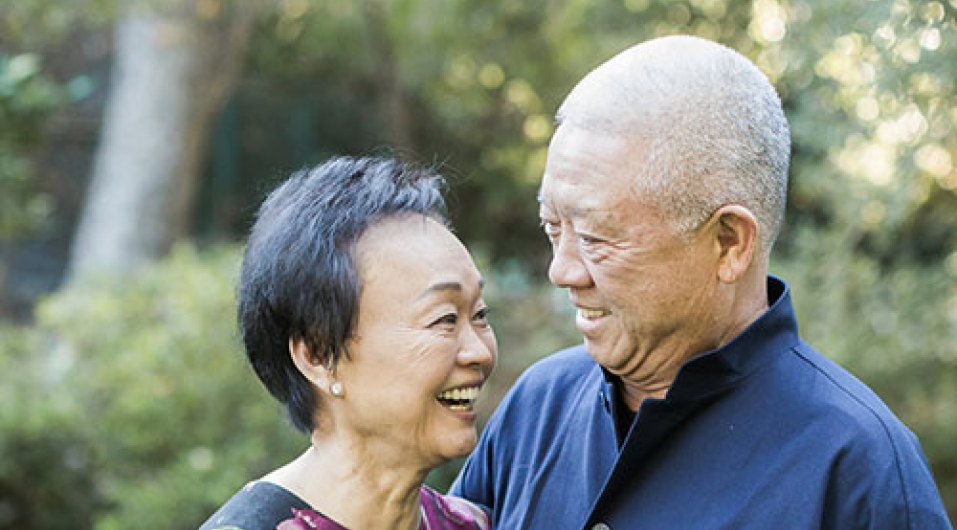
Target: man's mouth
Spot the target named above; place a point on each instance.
(459, 399)
(592, 314)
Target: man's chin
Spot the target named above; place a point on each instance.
(598, 351)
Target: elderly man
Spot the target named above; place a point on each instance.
(693, 403)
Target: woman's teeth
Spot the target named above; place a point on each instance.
(459, 398)
(460, 393)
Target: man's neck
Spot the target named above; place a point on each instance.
(654, 376)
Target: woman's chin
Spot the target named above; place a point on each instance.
(459, 448)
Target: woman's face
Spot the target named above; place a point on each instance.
(422, 347)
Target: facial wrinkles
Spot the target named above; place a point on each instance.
(612, 240)
(686, 330)
(587, 187)
(638, 269)
(464, 302)
(645, 375)
(648, 369)
(393, 316)
(635, 278)
(412, 274)
(440, 333)
(423, 350)
(576, 210)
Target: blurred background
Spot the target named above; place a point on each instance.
(138, 137)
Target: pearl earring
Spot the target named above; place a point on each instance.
(336, 389)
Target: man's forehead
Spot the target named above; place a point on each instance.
(575, 202)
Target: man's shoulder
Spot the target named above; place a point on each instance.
(557, 383)
(561, 367)
(872, 446)
(849, 403)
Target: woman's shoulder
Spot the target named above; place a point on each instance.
(267, 506)
(260, 505)
(446, 512)
(439, 512)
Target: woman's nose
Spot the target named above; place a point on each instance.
(479, 349)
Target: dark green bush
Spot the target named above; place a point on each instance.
(47, 468)
(146, 381)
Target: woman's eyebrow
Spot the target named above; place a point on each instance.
(446, 286)
(439, 287)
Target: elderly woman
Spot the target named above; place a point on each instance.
(363, 315)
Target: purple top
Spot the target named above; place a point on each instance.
(439, 513)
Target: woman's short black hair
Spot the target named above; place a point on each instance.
(299, 278)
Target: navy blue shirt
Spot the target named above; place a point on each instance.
(761, 433)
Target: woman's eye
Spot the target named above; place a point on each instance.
(447, 320)
(587, 240)
(481, 316)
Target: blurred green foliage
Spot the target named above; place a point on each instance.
(138, 389)
(47, 459)
(30, 96)
(27, 99)
(34, 24)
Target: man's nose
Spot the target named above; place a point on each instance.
(567, 268)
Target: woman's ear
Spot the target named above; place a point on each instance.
(737, 239)
(311, 366)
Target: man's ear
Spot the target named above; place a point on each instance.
(737, 231)
(310, 366)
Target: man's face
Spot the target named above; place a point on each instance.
(647, 296)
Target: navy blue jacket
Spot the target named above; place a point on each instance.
(763, 433)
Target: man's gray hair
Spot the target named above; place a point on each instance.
(708, 123)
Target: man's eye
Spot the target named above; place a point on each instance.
(551, 228)
(587, 240)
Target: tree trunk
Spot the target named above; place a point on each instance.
(388, 75)
(174, 66)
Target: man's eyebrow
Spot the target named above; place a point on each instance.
(577, 211)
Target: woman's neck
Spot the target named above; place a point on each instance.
(351, 484)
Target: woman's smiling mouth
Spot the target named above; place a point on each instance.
(460, 399)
